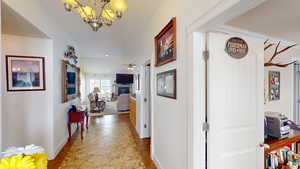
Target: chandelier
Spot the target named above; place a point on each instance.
(97, 13)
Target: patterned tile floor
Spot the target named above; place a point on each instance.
(108, 144)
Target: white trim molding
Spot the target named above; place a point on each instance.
(156, 162)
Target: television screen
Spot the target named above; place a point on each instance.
(124, 79)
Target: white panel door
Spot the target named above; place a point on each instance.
(235, 105)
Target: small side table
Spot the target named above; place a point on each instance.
(77, 117)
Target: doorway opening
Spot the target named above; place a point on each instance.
(264, 78)
(281, 54)
(147, 102)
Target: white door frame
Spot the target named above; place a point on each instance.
(142, 113)
(1, 87)
(218, 15)
(147, 131)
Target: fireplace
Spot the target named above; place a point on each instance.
(123, 90)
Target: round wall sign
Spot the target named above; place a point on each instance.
(236, 48)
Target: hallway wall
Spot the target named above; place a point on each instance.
(32, 11)
(60, 116)
(22, 109)
(169, 116)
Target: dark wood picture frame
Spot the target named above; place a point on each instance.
(170, 25)
(65, 96)
(42, 59)
(174, 71)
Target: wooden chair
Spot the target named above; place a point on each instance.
(97, 106)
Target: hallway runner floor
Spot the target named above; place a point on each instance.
(108, 144)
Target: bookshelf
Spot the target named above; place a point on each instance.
(276, 144)
(279, 143)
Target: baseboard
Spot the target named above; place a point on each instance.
(156, 162)
(59, 147)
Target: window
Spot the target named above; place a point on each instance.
(106, 86)
(94, 83)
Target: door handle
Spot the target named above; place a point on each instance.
(265, 146)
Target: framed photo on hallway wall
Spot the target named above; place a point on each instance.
(165, 44)
(25, 73)
(274, 85)
(166, 84)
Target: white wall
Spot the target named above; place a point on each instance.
(60, 116)
(34, 12)
(26, 114)
(285, 104)
(169, 147)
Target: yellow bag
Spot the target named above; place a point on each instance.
(35, 161)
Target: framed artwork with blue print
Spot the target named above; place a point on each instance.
(25, 73)
(71, 81)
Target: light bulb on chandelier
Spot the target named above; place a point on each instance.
(96, 13)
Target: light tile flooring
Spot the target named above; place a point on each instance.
(109, 143)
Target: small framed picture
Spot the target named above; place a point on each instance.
(274, 85)
(25, 73)
(166, 84)
(165, 44)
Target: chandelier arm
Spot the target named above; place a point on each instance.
(79, 3)
(82, 6)
(110, 18)
(107, 14)
(102, 9)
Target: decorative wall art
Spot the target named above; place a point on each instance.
(70, 54)
(277, 52)
(274, 85)
(25, 73)
(166, 84)
(165, 44)
(71, 81)
(236, 47)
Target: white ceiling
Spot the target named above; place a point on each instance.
(13, 23)
(110, 45)
(274, 18)
(103, 66)
(114, 40)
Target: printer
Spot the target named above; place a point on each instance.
(277, 125)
